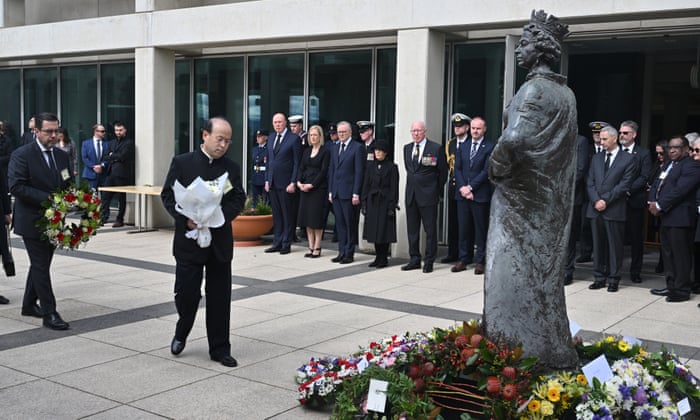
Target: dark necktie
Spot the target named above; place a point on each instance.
(278, 141)
(416, 154)
(99, 150)
(626, 150)
(342, 149)
(607, 162)
(475, 147)
(50, 161)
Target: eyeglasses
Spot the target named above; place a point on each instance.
(696, 150)
(660, 153)
(48, 131)
(100, 131)
(417, 131)
(675, 147)
(625, 132)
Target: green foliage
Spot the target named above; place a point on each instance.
(257, 208)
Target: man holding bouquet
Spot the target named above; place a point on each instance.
(222, 177)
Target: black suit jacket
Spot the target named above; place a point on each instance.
(283, 166)
(474, 172)
(120, 159)
(185, 168)
(424, 182)
(638, 190)
(611, 187)
(676, 193)
(583, 159)
(32, 181)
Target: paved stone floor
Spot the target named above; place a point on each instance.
(114, 362)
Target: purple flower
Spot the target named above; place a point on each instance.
(625, 391)
(640, 396)
(646, 415)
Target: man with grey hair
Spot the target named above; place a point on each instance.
(609, 179)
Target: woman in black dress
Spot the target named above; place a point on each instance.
(380, 196)
(313, 184)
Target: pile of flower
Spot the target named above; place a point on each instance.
(459, 371)
(53, 225)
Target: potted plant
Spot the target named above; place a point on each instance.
(254, 221)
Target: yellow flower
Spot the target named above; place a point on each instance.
(533, 406)
(623, 346)
(553, 395)
(609, 339)
(547, 408)
(581, 379)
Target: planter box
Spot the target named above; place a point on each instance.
(248, 229)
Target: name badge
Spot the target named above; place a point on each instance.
(228, 187)
(428, 160)
(65, 175)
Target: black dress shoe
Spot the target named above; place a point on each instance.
(338, 258)
(177, 346)
(382, 264)
(347, 259)
(285, 250)
(54, 321)
(449, 259)
(4, 300)
(428, 268)
(660, 292)
(273, 249)
(411, 266)
(677, 298)
(373, 264)
(597, 285)
(635, 278)
(33, 310)
(612, 287)
(226, 360)
(479, 269)
(9, 268)
(583, 259)
(568, 280)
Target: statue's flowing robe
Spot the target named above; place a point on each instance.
(533, 169)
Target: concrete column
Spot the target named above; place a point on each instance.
(154, 125)
(11, 13)
(420, 73)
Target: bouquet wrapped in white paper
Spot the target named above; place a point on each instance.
(201, 202)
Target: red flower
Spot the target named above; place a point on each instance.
(87, 197)
(57, 216)
(509, 391)
(70, 197)
(60, 237)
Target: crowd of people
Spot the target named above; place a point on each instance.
(621, 192)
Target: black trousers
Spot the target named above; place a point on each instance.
(39, 278)
(282, 216)
(634, 232)
(608, 247)
(473, 228)
(452, 225)
(107, 197)
(676, 248)
(427, 216)
(217, 290)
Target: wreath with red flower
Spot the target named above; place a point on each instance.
(53, 225)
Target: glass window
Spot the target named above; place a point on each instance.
(340, 86)
(182, 107)
(117, 97)
(386, 94)
(40, 91)
(275, 84)
(218, 87)
(478, 84)
(78, 103)
(10, 105)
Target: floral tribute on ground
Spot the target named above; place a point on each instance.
(458, 373)
(63, 234)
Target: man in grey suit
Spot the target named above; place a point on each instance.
(426, 173)
(609, 179)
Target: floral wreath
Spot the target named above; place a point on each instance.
(73, 199)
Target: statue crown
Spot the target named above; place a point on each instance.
(549, 24)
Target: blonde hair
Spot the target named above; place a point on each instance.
(320, 132)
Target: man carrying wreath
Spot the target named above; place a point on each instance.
(35, 171)
(192, 254)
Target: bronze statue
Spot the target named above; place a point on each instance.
(533, 168)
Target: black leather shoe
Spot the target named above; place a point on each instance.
(612, 287)
(9, 268)
(382, 264)
(226, 360)
(285, 250)
(479, 269)
(428, 268)
(54, 321)
(4, 300)
(273, 249)
(568, 280)
(660, 292)
(583, 259)
(635, 278)
(338, 258)
(677, 298)
(373, 264)
(449, 259)
(177, 346)
(347, 259)
(597, 285)
(33, 310)
(410, 266)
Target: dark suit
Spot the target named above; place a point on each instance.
(582, 162)
(120, 170)
(191, 259)
(260, 157)
(452, 220)
(675, 195)
(282, 171)
(91, 159)
(636, 208)
(473, 215)
(608, 226)
(424, 185)
(31, 182)
(345, 176)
